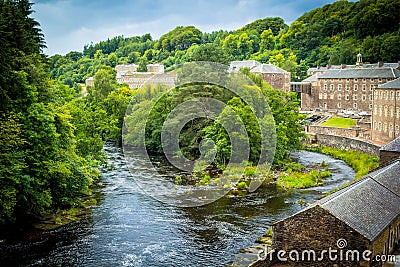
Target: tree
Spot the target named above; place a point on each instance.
(142, 65)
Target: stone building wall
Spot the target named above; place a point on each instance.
(386, 115)
(387, 157)
(318, 230)
(278, 80)
(341, 142)
(345, 94)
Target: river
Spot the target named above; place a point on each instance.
(129, 228)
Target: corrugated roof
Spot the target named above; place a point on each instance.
(267, 68)
(361, 73)
(395, 84)
(366, 206)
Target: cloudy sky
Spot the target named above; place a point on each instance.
(70, 24)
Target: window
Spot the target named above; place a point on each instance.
(392, 95)
(375, 110)
(364, 97)
(390, 128)
(397, 129)
(380, 80)
(325, 96)
(371, 97)
(332, 96)
(347, 97)
(398, 96)
(355, 87)
(332, 87)
(355, 105)
(384, 127)
(371, 87)
(398, 113)
(347, 80)
(386, 96)
(355, 97)
(320, 95)
(356, 80)
(339, 87)
(386, 111)
(372, 79)
(325, 86)
(380, 95)
(339, 105)
(340, 79)
(391, 112)
(370, 107)
(380, 126)
(339, 97)
(347, 87)
(375, 125)
(380, 111)
(364, 87)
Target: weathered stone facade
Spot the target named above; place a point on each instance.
(386, 112)
(348, 87)
(390, 152)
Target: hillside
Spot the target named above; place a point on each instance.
(334, 34)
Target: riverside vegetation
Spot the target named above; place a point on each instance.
(52, 136)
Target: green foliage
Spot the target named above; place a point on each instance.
(302, 180)
(361, 163)
(242, 186)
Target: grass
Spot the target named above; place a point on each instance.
(300, 180)
(361, 163)
(339, 122)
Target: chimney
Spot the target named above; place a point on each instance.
(328, 66)
(380, 63)
(342, 66)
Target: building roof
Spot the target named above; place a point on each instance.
(395, 84)
(235, 66)
(368, 205)
(317, 69)
(313, 78)
(361, 73)
(267, 68)
(393, 146)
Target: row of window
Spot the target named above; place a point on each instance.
(347, 97)
(355, 87)
(385, 110)
(386, 95)
(384, 127)
(339, 106)
(363, 79)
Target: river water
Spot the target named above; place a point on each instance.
(129, 228)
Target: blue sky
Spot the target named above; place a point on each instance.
(70, 24)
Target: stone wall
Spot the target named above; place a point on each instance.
(341, 142)
(351, 132)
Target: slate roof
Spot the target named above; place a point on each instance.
(235, 66)
(267, 68)
(368, 205)
(395, 84)
(393, 146)
(313, 78)
(361, 73)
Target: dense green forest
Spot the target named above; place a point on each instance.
(51, 134)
